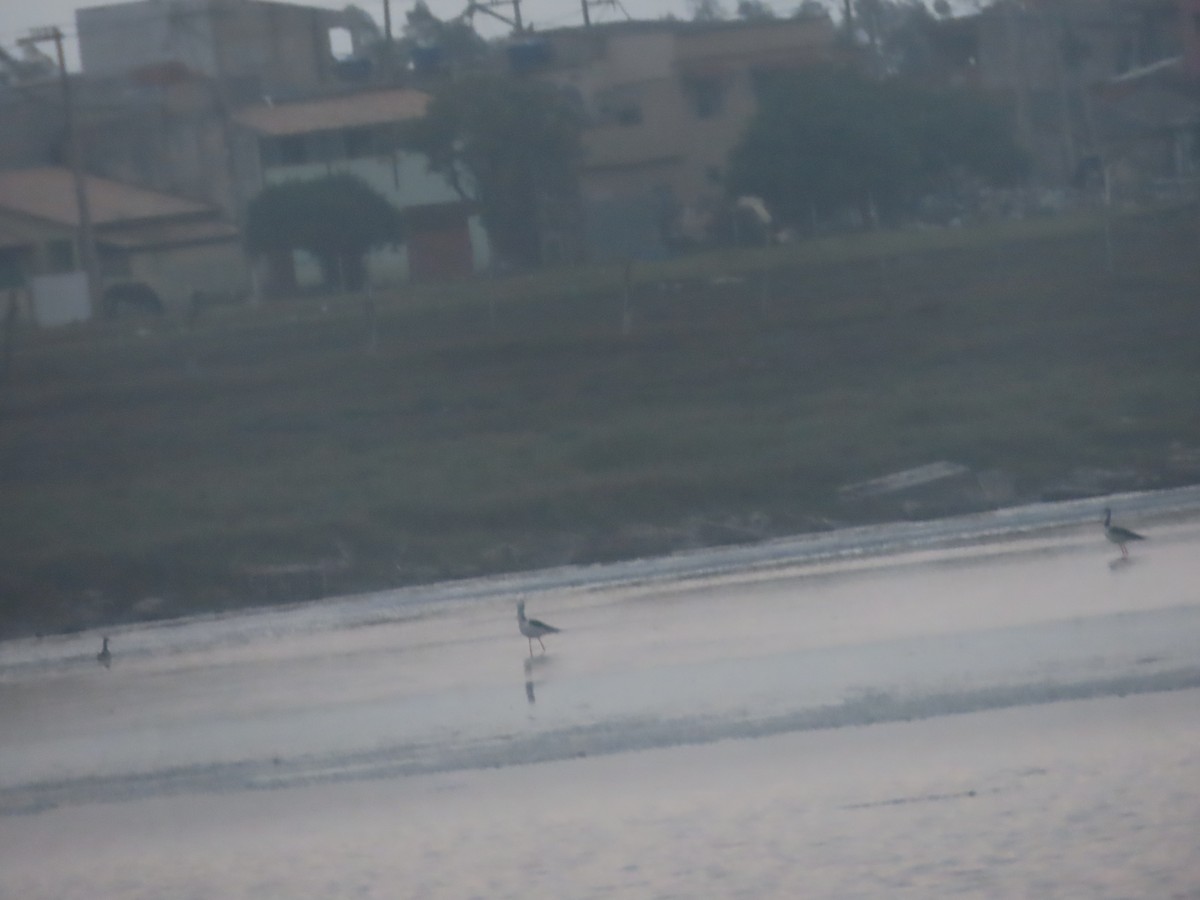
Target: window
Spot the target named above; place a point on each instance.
(620, 105)
(11, 274)
(629, 115)
(360, 142)
(341, 43)
(290, 150)
(706, 95)
(115, 265)
(60, 256)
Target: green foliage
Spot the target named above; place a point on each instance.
(337, 218)
(706, 10)
(829, 139)
(456, 41)
(508, 144)
(755, 11)
(547, 431)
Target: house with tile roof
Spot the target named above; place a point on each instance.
(359, 134)
(162, 249)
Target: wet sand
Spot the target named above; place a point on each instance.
(1081, 799)
(1017, 717)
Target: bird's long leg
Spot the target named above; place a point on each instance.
(530, 646)
(1125, 551)
(543, 645)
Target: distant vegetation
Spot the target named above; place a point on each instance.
(337, 218)
(509, 144)
(825, 140)
(278, 453)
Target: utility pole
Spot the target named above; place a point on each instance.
(488, 7)
(85, 243)
(588, 4)
(389, 47)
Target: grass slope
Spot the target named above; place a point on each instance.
(273, 454)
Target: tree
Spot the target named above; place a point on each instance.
(508, 144)
(432, 44)
(907, 39)
(830, 139)
(336, 218)
(706, 10)
(755, 11)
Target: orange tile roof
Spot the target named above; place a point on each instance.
(48, 193)
(373, 108)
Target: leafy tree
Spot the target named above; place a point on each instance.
(336, 218)
(754, 10)
(706, 10)
(811, 9)
(907, 39)
(508, 144)
(455, 43)
(829, 139)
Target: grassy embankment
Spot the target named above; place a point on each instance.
(154, 469)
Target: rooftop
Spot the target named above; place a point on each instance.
(332, 113)
(48, 193)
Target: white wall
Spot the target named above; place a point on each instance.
(60, 299)
(176, 274)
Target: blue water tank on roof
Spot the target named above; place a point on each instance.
(528, 55)
(426, 58)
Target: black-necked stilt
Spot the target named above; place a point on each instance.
(1118, 535)
(532, 628)
(104, 657)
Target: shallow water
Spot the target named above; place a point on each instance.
(372, 727)
(1088, 798)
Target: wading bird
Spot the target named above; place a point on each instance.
(1118, 535)
(104, 657)
(532, 628)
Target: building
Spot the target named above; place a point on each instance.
(253, 48)
(162, 79)
(1148, 131)
(359, 134)
(157, 252)
(665, 103)
(1054, 61)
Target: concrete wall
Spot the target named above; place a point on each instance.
(166, 145)
(33, 125)
(285, 47)
(177, 274)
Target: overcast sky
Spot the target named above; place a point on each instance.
(17, 17)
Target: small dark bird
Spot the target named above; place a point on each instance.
(532, 628)
(1118, 535)
(104, 657)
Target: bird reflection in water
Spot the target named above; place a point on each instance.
(529, 682)
(531, 665)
